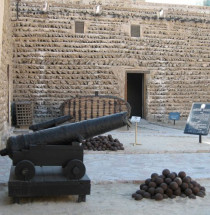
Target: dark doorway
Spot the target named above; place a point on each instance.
(135, 93)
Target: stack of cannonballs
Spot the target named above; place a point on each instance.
(102, 143)
(169, 185)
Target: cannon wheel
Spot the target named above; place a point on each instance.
(75, 169)
(25, 170)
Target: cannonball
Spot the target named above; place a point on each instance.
(89, 144)
(199, 186)
(134, 195)
(147, 195)
(145, 188)
(154, 175)
(158, 196)
(190, 185)
(147, 181)
(173, 185)
(178, 180)
(172, 176)
(184, 186)
(192, 196)
(177, 192)
(202, 191)
(164, 186)
(159, 190)
(195, 190)
(165, 172)
(152, 184)
(158, 180)
(182, 174)
(169, 185)
(162, 176)
(186, 179)
(141, 185)
(183, 195)
(151, 190)
(115, 149)
(141, 192)
(200, 194)
(194, 183)
(165, 196)
(138, 197)
(203, 188)
(168, 180)
(175, 174)
(188, 191)
(169, 192)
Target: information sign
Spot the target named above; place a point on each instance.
(199, 119)
(135, 119)
(174, 116)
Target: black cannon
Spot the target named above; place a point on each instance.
(50, 123)
(58, 146)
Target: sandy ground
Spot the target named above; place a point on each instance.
(107, 199)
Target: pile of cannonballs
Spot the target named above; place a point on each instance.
(169, 185)
(102, 143)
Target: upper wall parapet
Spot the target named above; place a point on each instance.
(129, 8)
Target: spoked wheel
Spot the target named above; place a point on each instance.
(25, 170)
(75, 169)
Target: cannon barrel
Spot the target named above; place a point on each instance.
(50, 123)
(66, 134)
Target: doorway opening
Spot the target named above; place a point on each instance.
(135, 93)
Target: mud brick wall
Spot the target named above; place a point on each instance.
(5, 68)
(53, 63)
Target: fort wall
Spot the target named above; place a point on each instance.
(6, 52)
(55, 57)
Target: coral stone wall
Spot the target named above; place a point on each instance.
(5, 67)
(53, 63)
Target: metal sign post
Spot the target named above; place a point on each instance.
(136, 119)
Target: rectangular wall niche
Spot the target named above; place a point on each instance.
(79, 27)
(135, 30)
